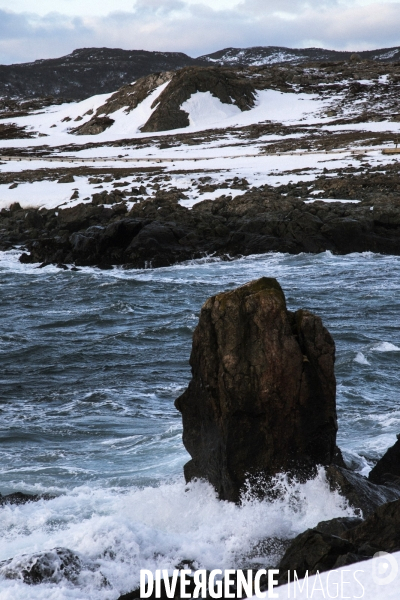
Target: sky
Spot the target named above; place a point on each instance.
(34, 29)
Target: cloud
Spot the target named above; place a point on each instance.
(197, 28)
(27, 37)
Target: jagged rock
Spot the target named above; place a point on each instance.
(80, 216)
(262, 395)
(338, 526)
(12, 131)
(226, 84)
(361, 494)
(387, 469)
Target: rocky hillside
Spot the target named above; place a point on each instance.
(90, 71)
(228, 85)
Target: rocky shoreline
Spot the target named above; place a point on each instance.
(158, 231)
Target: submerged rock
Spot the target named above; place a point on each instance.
(262, 395)
(51, 566)
(21, 498)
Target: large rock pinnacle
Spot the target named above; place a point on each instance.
(262, 395)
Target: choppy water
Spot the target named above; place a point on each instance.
(91, 362)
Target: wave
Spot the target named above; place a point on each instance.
(158, 527)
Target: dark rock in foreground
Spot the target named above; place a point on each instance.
(340, 542)
(262, 395)
(381, 530)
(319, 549)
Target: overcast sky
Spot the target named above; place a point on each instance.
(52, 28)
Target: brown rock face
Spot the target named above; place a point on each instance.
(262, 395)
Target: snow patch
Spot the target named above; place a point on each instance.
(205, 110)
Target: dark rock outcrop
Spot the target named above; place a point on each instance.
(262, 395)
(387, 469)
(314, 551)
(95, 126)
(127, 97)
(340, 542)
(259, 221)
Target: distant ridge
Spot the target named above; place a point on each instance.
(90, 71)
(264, 55)
(86, 72)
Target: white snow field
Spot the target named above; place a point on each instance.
(223, 154)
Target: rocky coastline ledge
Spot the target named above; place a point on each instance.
(159, 232)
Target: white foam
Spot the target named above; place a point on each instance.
(361, 359)
(386, 347)
(123, 531)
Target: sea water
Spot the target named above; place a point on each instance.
(91, 363)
